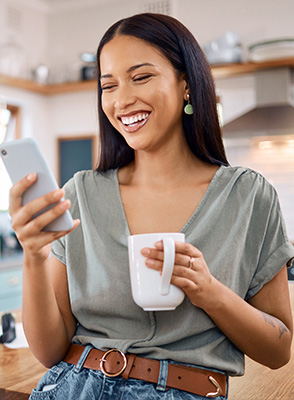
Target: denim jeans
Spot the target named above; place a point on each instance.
(73, 382)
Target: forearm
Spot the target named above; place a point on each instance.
(44, 326)
(261, 336)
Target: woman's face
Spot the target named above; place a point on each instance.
(142, 96)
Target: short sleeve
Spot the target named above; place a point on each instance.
(58, 250)
(275, 249)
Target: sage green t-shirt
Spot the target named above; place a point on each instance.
(238, 227)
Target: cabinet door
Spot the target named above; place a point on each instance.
(75, 154)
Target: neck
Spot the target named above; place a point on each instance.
(165, 167)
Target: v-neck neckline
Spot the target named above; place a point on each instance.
(192, 217)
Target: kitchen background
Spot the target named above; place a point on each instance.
(43, 40)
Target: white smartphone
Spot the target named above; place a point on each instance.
(22, 157)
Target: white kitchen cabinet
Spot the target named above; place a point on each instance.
(11, 283)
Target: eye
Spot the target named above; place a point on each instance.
(107, 87)
(142, 78)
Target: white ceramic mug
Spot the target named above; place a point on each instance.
(151, 290)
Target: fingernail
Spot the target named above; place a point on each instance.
(158, 244)
(31, 177)
(58, 193)
(64, 205)
(145, 252)
(150, 262)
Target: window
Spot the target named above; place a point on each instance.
(9, 130)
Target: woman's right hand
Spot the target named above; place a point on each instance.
(29, 231)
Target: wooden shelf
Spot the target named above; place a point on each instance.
(219, 71)
(47, 90)
(228, 70)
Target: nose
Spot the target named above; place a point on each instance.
(124, 97)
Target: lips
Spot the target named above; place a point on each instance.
(132, 123)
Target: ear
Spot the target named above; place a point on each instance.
(186, 87)
(187, 94)
(184, 83)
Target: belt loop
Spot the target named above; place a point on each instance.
(83, 357)
(227, 387)
(161, 384)
(126, 372)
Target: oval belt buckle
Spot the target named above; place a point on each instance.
(103, 359)
(212, 395)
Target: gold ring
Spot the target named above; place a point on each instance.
(192, 259)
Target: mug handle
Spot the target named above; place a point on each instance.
(168, 265)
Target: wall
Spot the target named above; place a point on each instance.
(34, 117)
(24, 29)
(58, 38)
(73, 32)
(78, 117)
(275, 161)
(254, 20)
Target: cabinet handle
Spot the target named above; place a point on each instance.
(14, 281)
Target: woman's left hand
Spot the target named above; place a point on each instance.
(191, 273)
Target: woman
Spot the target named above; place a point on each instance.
(162, 168)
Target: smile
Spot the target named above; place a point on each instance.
(134, 119)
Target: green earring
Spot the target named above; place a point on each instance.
(188, 109)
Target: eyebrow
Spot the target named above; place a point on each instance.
(134, 67)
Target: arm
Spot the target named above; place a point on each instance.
(47, 318)
(261, 328)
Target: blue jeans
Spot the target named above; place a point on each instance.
(73, 382)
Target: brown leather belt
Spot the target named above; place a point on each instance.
(114, 363)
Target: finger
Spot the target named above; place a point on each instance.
(38, 224)
(185, 260)
(182, 248)
(36, 206)
(187, 285)
(180, 258)
(185, 253)
(178, 270)
(43, 238)
(152, 253)
(184, 272)
(17, 190)
(49, 237)
(187, 249)
(154, 264)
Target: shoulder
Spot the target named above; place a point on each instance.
(248, 184)
(89, 179)
(246, 177)
(90, 188)
(86, 186)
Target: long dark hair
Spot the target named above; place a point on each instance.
(178, 45)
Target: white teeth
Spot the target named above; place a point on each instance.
(134, 119)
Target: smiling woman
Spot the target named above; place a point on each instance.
(179, 55)
(162, 169)
(142, 100)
